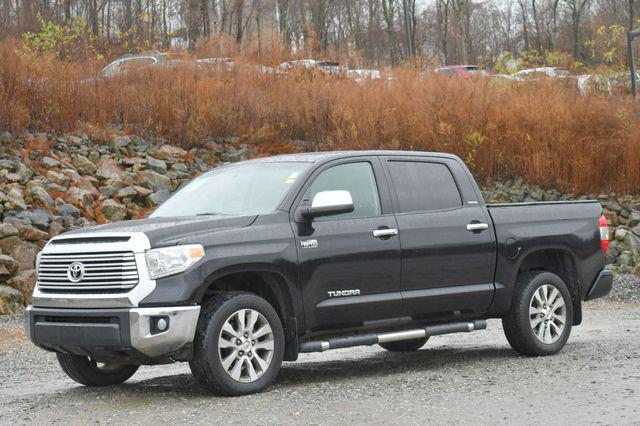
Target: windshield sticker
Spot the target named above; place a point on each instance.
(292, 178)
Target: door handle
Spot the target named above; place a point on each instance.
(477, 227)
(381, 233)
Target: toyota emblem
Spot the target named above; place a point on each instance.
(75, 272)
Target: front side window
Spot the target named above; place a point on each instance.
(359, 180)
(238, 189)
(423, 186)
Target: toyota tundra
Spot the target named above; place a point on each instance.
(257, 261)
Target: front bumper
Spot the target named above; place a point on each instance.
(601, 286)
(113, 333)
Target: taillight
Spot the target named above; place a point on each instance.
(604, 233)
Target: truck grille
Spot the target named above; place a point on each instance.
(91, 272)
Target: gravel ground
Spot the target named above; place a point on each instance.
(456, 379)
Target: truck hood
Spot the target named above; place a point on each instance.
(164, 231)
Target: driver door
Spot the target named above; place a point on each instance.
(348, 274)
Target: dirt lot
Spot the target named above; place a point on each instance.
(459, 379)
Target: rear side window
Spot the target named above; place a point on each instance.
(359, 180)
(423, 186)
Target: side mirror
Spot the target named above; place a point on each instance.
(327, 203)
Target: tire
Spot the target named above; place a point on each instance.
(86, 371)
(226, 362)
(532, 327)
(404, 345)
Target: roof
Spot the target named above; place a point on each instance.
(317, 157)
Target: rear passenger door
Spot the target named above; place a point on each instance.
(447, 252)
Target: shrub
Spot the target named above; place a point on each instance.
(541, 131)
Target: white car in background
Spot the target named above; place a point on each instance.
(542, 72)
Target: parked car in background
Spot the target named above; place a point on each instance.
(593, 83)
(542, 72)
(362, 75)
(621, 83)
(127, 63)
(323, 66)
(131, 62)
(466, 71)
(508, 77)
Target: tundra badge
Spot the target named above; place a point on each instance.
(339, 293)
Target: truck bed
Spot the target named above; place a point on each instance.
(567, 226)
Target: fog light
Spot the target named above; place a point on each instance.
(162, 324)
(159, 324)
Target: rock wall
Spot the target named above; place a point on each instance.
(50, 185)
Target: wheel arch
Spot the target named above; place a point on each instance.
(561, 262)
(268, 283)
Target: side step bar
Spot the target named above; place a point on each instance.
(372, 339)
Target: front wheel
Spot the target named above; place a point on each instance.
(88, 372)
(539, 321)
(239, 345)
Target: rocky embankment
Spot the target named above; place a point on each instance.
(51, 184)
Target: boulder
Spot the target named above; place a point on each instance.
(142, 192)
(620, 234)
(39, 195)
(167, 151)
(132, 161)
(84, 165)
(113, 211)
(154, 181)
(158, 198)
(126, 193)
(8, 266)
(180, 167)
(30, 233)
(7, 230)
(81, 198)
(24, 282)
(66, 209)
(38, 218)
(21, 251)
(120, 142)
(156, 165)
(50, 162)
(15, 198)
(109, 169)
(58, 178)
(11, 301)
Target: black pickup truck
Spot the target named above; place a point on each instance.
(255, 262)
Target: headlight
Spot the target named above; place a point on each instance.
(166, 261)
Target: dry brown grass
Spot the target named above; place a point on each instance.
(547, 134)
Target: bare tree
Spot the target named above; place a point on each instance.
(578, 9)
(389, 11)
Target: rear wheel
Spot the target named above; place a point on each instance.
(540, 319)
(239, 345)
(404, 345)
(88, 372)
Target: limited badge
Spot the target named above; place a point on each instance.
(309, 244)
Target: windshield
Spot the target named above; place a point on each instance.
(242, 189)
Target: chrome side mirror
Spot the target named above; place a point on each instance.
(327, 203)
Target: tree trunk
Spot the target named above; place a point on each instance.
(462, 12)
(388, 11)
(239, 11)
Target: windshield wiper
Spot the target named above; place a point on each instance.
(210, 214)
